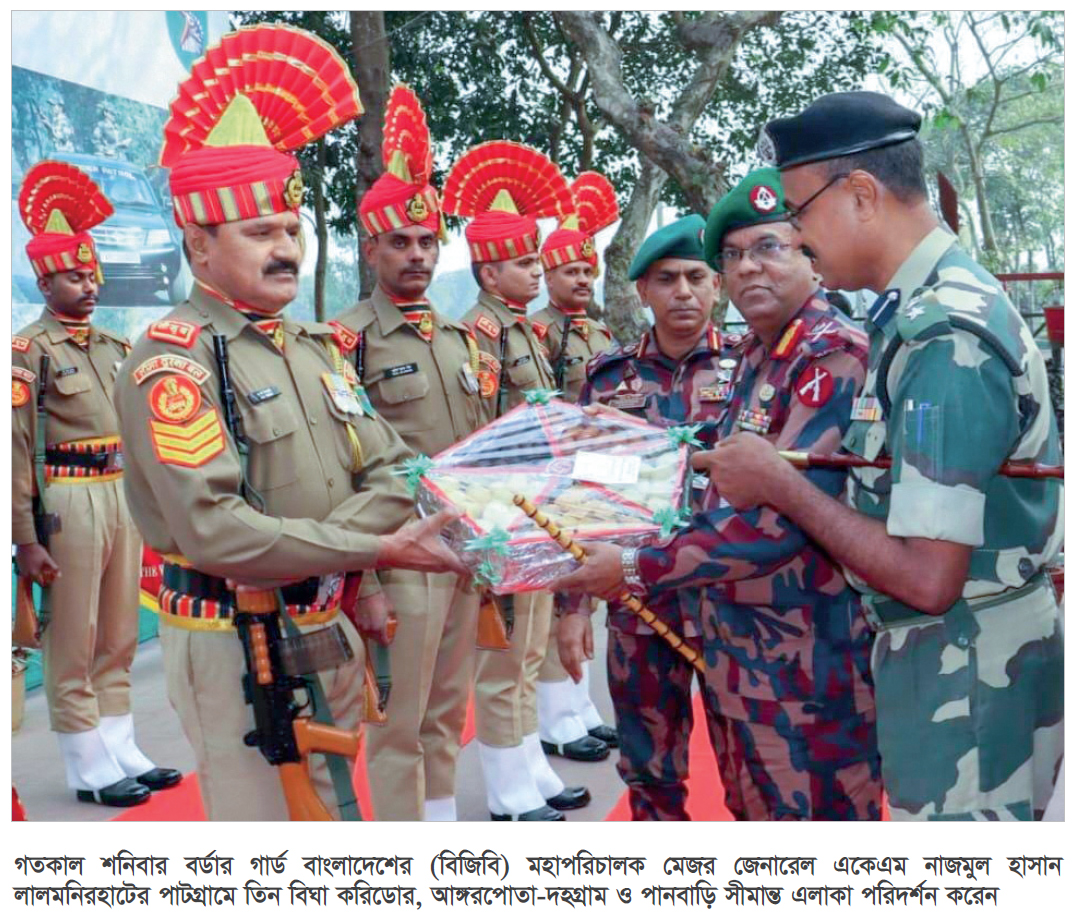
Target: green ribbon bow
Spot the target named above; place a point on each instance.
(496, 541)
(413, 469)
(685, 435)
(540, 396)
(670, 518)
(486, 575)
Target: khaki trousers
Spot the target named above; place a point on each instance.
(506, 705)
(89, 644)
(203, 671)
(412, 757)
(552, 670)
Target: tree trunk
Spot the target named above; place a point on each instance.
(322, 230)
(371, 54)
(622, 305)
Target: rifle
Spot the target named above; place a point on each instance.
(569, 544)
(803, 460)
(278, 667)
(560, 367)
(45, 523)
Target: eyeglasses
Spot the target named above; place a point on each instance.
(795, 213)
(763, 252)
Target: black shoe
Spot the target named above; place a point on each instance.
(571, 798)
(160, 778)
(606, 734)
(584, 749)
(125, 792)
(542, 814)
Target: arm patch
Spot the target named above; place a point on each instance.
(20, 344)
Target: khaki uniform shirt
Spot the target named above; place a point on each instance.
(184, 473)
(586, 337)
(78, 401)
(522, 362)
(427, 391)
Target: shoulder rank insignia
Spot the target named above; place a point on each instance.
(172, 331)
(541, 329)
(489, 327)
(190, 444)
(344, 337)
(19, 343)
(789, 339)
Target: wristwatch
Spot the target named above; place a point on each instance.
(632, 580)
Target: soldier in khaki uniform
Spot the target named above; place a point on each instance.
(420, 371)
(505, 196)
(92, 561)
(319, 458)
(568, 722)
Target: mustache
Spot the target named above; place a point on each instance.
(279, 266)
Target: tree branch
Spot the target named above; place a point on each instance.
(539, 56)
(1055, 119)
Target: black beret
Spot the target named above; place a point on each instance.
(839, 124)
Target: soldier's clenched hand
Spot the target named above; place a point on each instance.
(744, 469)
(418, 546)
(601, 574)
(36, 563)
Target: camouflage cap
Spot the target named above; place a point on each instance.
(758, 198)
(682, 239)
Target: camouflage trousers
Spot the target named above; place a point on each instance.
(650, 685)
(970, 709)
(821, 771)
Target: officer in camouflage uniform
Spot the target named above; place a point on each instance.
(320, 460)
(679, 373)
(787, 650)
(90, 640)
(950, 554)
(419, 369)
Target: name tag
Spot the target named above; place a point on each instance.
(866, 408)
(519, 361)
(628, 401)
(572, 361)
(405, 369)
(66, 371)
(755, 421)
(263, 395)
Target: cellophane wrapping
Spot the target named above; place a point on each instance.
(636, 473)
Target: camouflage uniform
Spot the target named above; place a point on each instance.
(649, 682)
(787, 650)
(969, 703)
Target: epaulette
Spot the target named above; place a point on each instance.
(345, 338)
(789, 340)
(923, 316)
(832, 334)
(489, 327)
(608, 358)
(173, 331)
(112, 336)
(541, 329)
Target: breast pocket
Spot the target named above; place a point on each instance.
(73, 384)
(524, 375)
(271, 431)
(865, 438)
(400, 400)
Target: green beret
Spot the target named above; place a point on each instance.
(682, 239)
(839, 124)
(758, 198)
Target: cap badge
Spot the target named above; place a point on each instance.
(84, 253)
(293, 189)
(765, 148)
(587, 248)
(417, 209)
(763, 199)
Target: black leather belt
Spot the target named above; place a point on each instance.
(99, 461)
(205, 586)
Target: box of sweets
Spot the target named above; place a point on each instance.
(609, 478)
